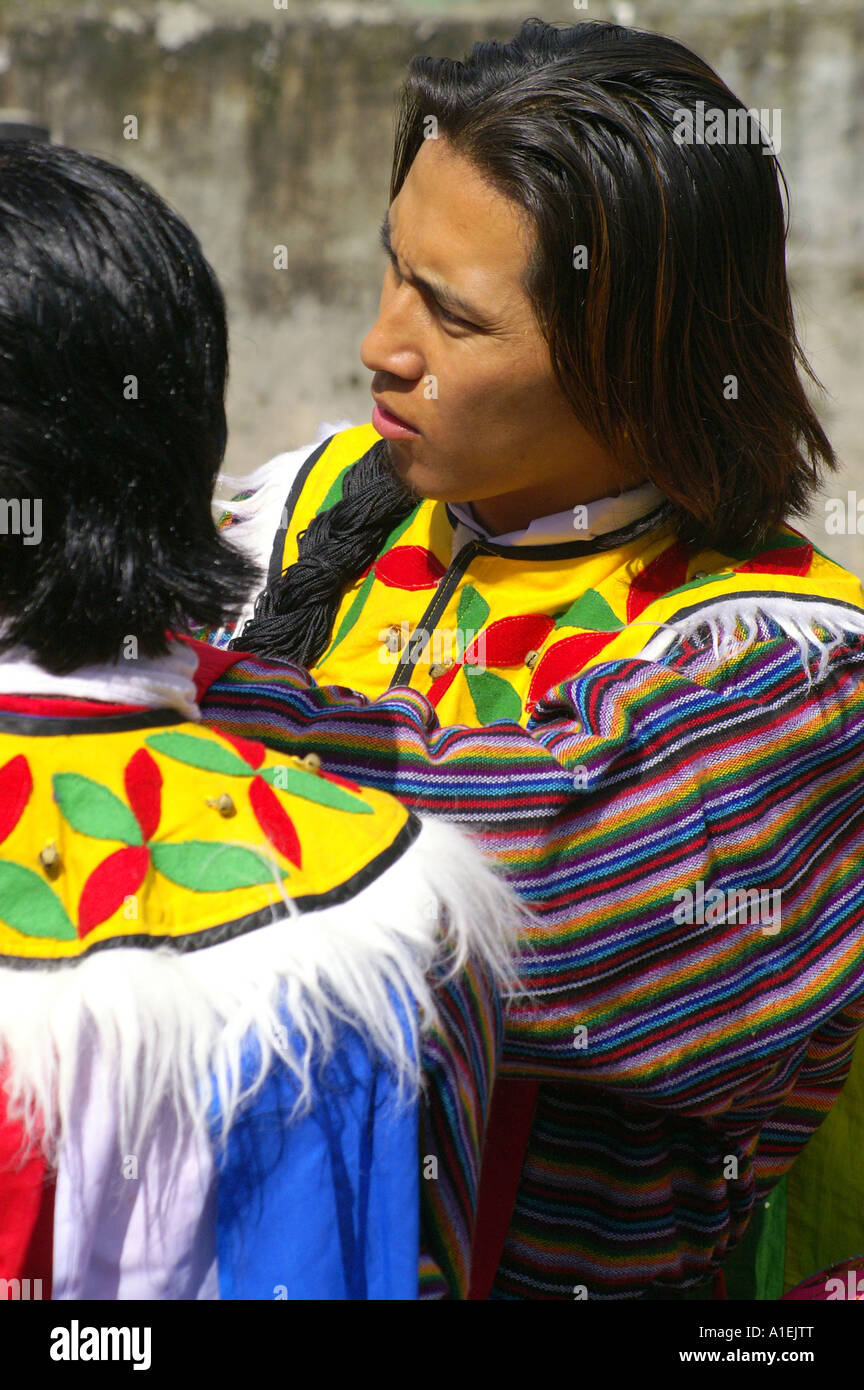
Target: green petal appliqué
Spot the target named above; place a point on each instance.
(698, 583)
(313, 788)
(29, 905)
(363, 592)
(94, 810)
(207, 866)
(334, 493)
(398, 531)
(494, 698)
(200, 752)
(473, 610)
(590, 612)
(352, 615)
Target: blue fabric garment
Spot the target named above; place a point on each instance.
(327, 1207)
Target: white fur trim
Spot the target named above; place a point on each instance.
(164, 1022)
(798, 618)
(257, 519)
(159, 682)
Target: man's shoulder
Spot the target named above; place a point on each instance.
(788, 588)
(674, 594)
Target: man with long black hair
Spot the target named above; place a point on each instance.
(559, 573)
(221, 971)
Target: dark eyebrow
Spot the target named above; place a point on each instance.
(439, 291)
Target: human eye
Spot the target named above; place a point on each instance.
(453, 318)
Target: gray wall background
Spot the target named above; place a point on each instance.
(269, 126)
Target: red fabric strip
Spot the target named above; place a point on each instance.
(26, 1207)
(510, 1120)
(213, 662)
(62, 706)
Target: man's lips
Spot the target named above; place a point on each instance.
(390, 425)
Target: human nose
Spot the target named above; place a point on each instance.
(391, 345)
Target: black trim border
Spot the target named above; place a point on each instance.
(274, 569)
(420, 637)
(751, 593)
(32, 725)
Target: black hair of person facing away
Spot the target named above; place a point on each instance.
(105, 295)
(686, 286)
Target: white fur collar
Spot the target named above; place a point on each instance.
(163, 682)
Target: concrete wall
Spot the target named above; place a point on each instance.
(269, 126)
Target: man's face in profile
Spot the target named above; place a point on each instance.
(458, 355)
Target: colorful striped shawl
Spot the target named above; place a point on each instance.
(667, 1049)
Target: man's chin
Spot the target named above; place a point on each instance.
(405, 465)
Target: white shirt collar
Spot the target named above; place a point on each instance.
(580, 523)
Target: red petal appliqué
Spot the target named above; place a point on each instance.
(16, 784)
(564, 661)
(439, 687)
(667, 571)
(341, 782)
(143, 782)
(409, 567)
(254, 753)
(275, 821)
(507, 641)
(116, 878)
(791, 559)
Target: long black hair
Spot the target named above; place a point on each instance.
(677, 347)
(113, 357)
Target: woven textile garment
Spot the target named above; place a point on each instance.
(666, 750)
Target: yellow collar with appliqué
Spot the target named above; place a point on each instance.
(486, 632)
(138, 828)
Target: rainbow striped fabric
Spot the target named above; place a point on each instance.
(671, 1032)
